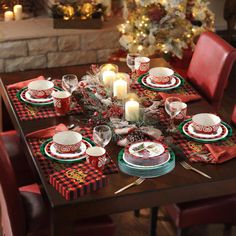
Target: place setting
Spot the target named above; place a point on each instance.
(40, 98)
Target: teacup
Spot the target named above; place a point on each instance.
(161, 75)
(40, 88)
(67, 141)
(62, 101)
(206, 123)
(182, 114)
(141, 65)
(96, 156)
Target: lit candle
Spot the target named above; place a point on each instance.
(8, 16)
(110, 67)
(124, 76)
(132, 110)
(108, 77)
(120, 89)
(17, 9)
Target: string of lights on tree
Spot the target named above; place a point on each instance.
(164, 26)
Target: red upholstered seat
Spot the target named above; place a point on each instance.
(11, 142)
(210, 67)
(213, 210)
(25, 212)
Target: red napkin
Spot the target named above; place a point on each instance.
(185, 98)
(221, 153)
(48, 132)
(25, 83)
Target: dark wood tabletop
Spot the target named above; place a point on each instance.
(178, 186)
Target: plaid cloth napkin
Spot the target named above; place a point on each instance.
(221, 154)
(184, 97)
(25, 83)
(28, 112)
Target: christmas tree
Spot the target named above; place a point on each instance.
(164, 26)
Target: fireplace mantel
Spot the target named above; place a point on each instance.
(33, 43)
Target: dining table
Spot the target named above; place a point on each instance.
(180, 185)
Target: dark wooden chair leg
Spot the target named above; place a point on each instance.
(227, 230)
(153, 221)
(137, 213)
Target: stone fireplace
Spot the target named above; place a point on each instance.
(33, 43)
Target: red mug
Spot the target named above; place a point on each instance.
(141, 65)
(96, 156)
(62, 101)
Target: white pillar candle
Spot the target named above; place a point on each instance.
(132, 110)
(8, 16)
(120, 89)
(17, 9)
(108, 77)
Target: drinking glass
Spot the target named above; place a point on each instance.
(70, 82)
(102, 135)
(130, 60)
(173, 106)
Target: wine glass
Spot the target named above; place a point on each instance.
(102, 135)
(130, 60)
(70, 82)
(173, 106)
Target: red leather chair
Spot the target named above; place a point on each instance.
(11, 142)
(220, 210)
(24, 212)
(210, 66)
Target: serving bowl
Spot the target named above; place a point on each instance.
(40, 88)
(161, 75)
(206, 123)
(67, 141)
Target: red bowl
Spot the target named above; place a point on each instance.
(40, 88)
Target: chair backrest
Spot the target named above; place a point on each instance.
(13, 218)
(210, 66)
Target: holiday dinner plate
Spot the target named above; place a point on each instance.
(147, 163)
(149, 172)
(145, 81)
(24, 96)
(223, 132)
(145, 149)
(49, 151)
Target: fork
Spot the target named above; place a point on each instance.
(189, 167)
(135, 183)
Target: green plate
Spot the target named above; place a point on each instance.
(64, 161)
(205, 140)
(18, 95)
(160, 89)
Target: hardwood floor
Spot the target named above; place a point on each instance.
(129, 225)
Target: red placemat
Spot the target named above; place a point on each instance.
(27, 112)
(77, 180)
(189, 146)
(51, 168)
(185, 89)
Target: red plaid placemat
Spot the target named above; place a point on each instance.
(49, 167)
(185, 89)
(189, 146)
(26, 112)
(77, 180)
